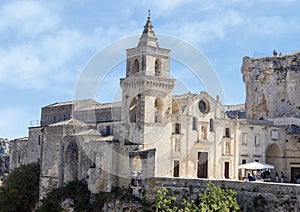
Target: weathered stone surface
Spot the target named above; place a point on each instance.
(4, 155)
(272, 86)
(120, 206)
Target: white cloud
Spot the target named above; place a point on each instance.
(39, 63)
(28, 18)
(204, 31)
(46, 53)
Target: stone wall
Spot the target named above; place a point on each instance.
(272, 86)
(26, 150)
(252, 196)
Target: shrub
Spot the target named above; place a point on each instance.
(20, 190)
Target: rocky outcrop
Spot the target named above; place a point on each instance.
(4, 146)
(272, 86)
(120, 206)
(4, 156)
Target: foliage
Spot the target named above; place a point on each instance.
(164, 201)
(20, 191)
(82, 199)
(217, 199)
(74, 190)
(121, 194)
(212, 199)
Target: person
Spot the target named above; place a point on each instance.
(282, 177)
(250, 177)
(276, 177)
(263, 174)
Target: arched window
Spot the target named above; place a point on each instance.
(211, 125)
(157, 68)
(135, 66)
(133, 110)
(158, 110)
(71, 162)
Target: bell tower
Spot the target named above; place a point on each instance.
(147, 87)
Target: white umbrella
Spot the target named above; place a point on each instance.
(255, 165)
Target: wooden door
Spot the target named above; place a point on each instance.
(202, 164)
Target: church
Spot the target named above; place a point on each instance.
(153, 133)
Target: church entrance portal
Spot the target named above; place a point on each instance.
(202, 164)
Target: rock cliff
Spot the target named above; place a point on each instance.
(272, 86)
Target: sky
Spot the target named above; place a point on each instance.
(45, 45)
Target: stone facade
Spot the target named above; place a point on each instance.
(152, 133)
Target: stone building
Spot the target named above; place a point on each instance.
(152, 133)
(272, 100)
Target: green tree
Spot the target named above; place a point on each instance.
(20, 190)
(217, 199)
(213, 199)
(74, 190)
(165, 202)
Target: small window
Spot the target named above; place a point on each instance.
(256, 160)
(136, 66)
(227, 132)
(39, 140)
(133, 110)
(54, 119)
(177, 128)
(274, 134)
(157, 68)
(244, 139)
(256, 140)
(211, 125)
(108, 130)
(244, 161)
(176, 168)
(194, 123)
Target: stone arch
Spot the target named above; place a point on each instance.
(157, 67)
(274, 156)
(158, 110)
(133, 110)
(136, 66)
(71, 162)
(175, 107)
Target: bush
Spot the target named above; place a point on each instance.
(74, 190)
(217, 199)
(212, 199)
(20, 191)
